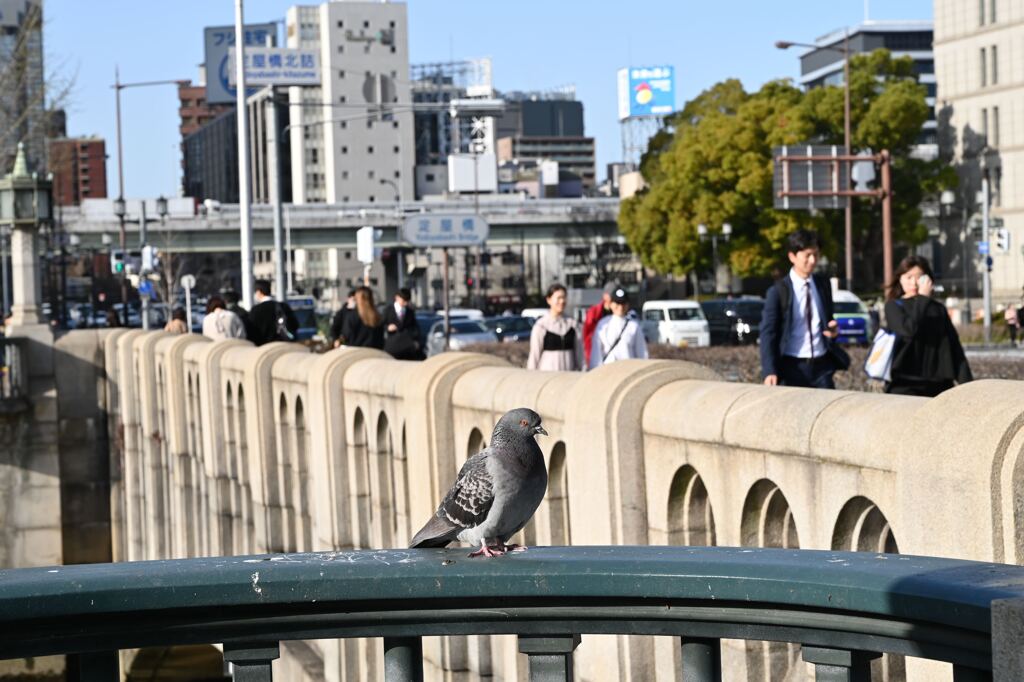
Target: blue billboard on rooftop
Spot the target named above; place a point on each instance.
(646, 91)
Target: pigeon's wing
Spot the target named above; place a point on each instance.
(469, 501)
(465, 506)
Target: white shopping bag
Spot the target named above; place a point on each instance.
(878, 364)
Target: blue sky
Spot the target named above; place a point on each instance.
(533, 44)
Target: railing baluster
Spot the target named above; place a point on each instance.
(99, 666)
(702, 659)
(840, 665)
(965, 674)
(403, 659)
(550, 656)
(250, 661)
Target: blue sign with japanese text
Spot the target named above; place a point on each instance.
(647, 91)
(218, 41)
(445, 230)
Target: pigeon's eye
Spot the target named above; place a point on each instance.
(523, 422)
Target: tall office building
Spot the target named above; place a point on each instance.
(980, 111)
(824, 65)
(352, 137)
(23, 115)
(79, 167)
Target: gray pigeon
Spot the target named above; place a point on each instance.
(496, 492)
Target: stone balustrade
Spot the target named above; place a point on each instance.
(224, 448)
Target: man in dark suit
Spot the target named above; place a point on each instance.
(797, 330)
(270, 320)
(403, 334)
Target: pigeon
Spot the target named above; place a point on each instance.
(496, 492)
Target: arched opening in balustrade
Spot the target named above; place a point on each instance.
(862, 527)
(159, 439)
(383, 480)
(276, 491)
(303, 517)
(187, 467)
(403, 532)
(691, 520)
(767, 521)
(228, 493)
(558, 497)
(196, 662)
(1017, 478)
(247, 530)
(361, 519)
(476, 443)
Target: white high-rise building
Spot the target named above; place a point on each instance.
(352, 138)
(979, 45)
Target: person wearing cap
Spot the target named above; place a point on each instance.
(618, 336)
(595, 314)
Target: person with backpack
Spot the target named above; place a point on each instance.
(270, 319)
(618, 336)
(798, 331)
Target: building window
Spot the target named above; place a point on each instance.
(366, 24)
(344, 175)
(345, 200)
(341, 48)
(341, 73)
(995, 127)
(997, 187)
(398, 174)
(371, 174)
(984, 127)
(369, 123)
(344, 149)
(396, 148)
(981, 12)
(429, 177)
(341, 24)
(341, 99)
(372, 198)
(394, 124)
(369, 150)
(393, 50)
(392, 24)
(344, 124)
(984, 68)
(992, 12)
(314, 156)
(995, 65)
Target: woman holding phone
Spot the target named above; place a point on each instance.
(927, 358)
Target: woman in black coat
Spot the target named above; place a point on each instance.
(364, 326)
(927, 357)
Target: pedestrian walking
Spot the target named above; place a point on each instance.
(618, 336)
(270, 319)
(178, 324)
(338, 323)
(365, 328)
(556, 344)
(927, 356)
(594, 315)
(797, 329)
(1012, 317)
(233, 305)
(401, 333)
(220, 323)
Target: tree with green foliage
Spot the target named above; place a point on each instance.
(712, 164)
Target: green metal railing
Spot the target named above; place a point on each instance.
(844, 608)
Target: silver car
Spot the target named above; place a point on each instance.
(464, 333)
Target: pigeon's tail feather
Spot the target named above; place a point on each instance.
(437, 533)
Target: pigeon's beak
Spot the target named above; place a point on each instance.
(540, 430)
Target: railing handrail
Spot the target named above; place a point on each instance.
(924, 606)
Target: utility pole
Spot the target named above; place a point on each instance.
(274, 173)
(986, 272)
(241, 113)
(120, 197)
(848, 213)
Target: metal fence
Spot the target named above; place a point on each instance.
(844, 608)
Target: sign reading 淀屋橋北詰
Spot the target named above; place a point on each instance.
(278, 66)
(445, 230)
(219, 75)
(646, 91)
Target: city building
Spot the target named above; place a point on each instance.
(573, 154)
(824, 65)
(981, 131)
(193, 108)
(23, 114)
(353, 135)
(79, 167)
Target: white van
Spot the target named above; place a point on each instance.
(677, 323)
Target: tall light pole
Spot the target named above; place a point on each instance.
(845, 51)
(241, 111)
(119, 203)
(704, 234)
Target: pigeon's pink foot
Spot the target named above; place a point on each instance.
(487, 551)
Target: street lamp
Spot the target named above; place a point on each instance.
(704, 234)
(24, 205)
(845, 51)
(120, 210)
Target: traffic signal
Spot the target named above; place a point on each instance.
(116, 262)
(150, 259)
(1003, 239)
(469, 282)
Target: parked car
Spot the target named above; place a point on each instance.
(304, 308)
(852, 316)
(510, 329)
(734, 321)
(534, 313)
(464, 333)
(677, 323)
